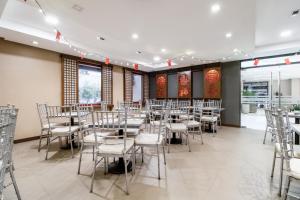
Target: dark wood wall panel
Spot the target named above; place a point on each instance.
(197, 84)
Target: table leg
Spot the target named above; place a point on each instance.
(297, 121)
(118, 167)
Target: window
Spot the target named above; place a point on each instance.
(89, 85)
(137, 88)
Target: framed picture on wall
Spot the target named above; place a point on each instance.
(212, 83)
(184, 84)
(161, 85)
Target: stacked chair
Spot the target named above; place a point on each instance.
(8, 117)
(288, 154)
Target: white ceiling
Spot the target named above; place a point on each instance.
(176, 25)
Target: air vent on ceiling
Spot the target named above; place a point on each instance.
(295, 12)
(77, 7)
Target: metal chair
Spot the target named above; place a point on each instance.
(153, 140)
(194, 124)
(292, 163)
(114, 146)
(8, 117)
(270, 128)
(65, 114)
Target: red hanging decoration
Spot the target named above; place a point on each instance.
(135, 66)
(81, 56)
(256, 61)
(169, 63)
(58, 36)
(107, 61)
(287, 61)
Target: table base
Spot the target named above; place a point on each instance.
(118, 167)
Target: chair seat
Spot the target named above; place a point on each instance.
(192, 124)
(148, 139)
(140, 116)
(134, 122)
(64, 131)
(295, 147)
(176, 127)
(186, 117)
(52, 125)
(209, 118)
(295, 168)
(91, 137)
(115, 146)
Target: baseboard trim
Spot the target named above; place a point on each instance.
(26, 139)
(231, 125)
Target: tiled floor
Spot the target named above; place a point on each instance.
(234, 165)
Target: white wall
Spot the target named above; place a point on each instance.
(28, 75)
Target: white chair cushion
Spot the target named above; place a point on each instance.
(141, 116)
(209, 118)
(91, 137)
(295, 168)
(64, 131)
(52, 125)
(148, 139)
(185, 117)
(192, 124)
(176, 127)
(134, 122)
(115, 146)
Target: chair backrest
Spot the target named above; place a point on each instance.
(269, 118)
(197, 113)
(60, 114)
(8, 118)
(42, 112)
(104, 105)
(283, 137)
(84, 113)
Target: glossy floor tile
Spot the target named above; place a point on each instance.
(234, 165)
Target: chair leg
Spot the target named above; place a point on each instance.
(142, 151)
(158, 161)
(126, 183)
(169, 140)
(80, 157)
(264, 142)
(14, 182)
(40, 142)
(163, 147)
(48, 145)
(287, 187)
(93, 152)
(93, 176)
(200, 130)
(71, 143)
(274, 162)
(281, 175)
(188, 142)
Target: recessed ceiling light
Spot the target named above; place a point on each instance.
(223, 58)
(181, 59)
(138, 52)
(51, 19)
(189, 53)
(135, 36)
(40, 10)
(235, 50)
(295, 13)
(228, 35)
(35, 42)
(163, 50)
(127, 64)
(156, 58)
(192, 57)
(286, 33)
(215, 8)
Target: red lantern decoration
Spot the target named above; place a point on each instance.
(287, 61)
(256, 61)
(58, 36)
(81, 56)
(135, 66)
(107, 61)
(169, 63)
